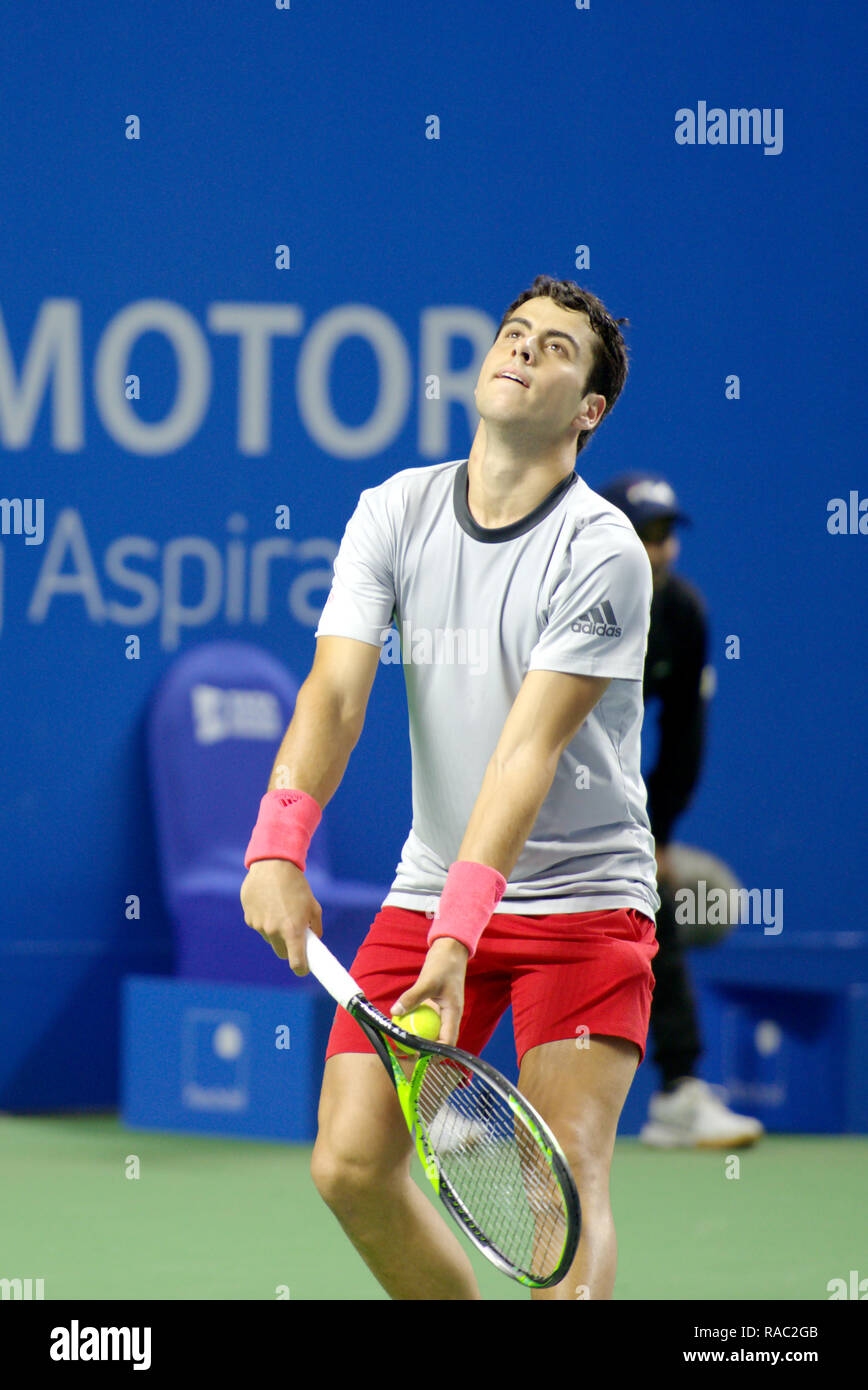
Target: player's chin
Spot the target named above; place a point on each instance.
(500, 402)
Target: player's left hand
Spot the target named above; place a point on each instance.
(441, 983)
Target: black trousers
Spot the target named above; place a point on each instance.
(674, 1023)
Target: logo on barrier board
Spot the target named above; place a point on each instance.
(215, 1060)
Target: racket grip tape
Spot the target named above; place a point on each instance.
(328, 970)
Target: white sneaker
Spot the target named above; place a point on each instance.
(693, 1117)
(450, 1131)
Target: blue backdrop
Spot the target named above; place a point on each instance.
(239, 242)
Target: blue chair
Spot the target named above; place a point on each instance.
(214, 727)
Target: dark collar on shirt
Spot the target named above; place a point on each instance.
(515, 528)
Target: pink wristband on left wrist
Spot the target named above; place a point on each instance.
(470, 895)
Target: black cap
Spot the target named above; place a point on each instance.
(644, 497)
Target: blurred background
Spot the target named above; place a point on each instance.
(252, 257)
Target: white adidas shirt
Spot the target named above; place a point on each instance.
(566, 588)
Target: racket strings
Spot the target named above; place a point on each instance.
(488, 1153)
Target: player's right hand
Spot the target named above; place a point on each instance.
(278, 903)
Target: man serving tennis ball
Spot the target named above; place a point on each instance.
(530, 834)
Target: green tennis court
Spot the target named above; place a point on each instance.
(225, 1219)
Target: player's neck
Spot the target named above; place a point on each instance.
(506, 483)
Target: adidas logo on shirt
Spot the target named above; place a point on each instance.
(599, 621)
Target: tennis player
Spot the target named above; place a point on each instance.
(522, 599)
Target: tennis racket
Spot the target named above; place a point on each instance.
(491, 1159)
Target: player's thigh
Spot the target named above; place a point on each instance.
(579, 1086)
(360, 1125)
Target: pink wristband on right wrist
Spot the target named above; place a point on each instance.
(470, 895)
(284, 827)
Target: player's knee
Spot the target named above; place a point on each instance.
(345, 1174)
(334, 1176)
(588, 1150)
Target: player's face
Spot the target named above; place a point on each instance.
(662, 547)
(551, 349)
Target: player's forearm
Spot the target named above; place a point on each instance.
(506, 809)
(317, 745)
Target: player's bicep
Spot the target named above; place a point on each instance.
(343, 671)
(548, 711)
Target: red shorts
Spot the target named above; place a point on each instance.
(561, 973)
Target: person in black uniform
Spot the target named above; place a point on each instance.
(686, 1112)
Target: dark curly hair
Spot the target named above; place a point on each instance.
(608, 371)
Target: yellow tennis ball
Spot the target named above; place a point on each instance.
(423, 1022)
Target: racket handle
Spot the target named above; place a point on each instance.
(328, 970)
